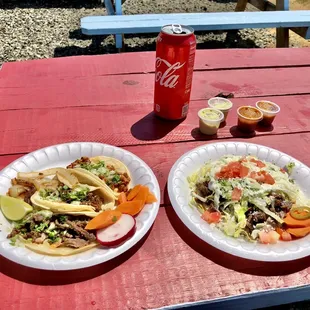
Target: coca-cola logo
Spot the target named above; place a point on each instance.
(168, 78)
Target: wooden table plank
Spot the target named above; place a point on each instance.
(51, 92)
(172, 266)
(137, 126)
(131, 63)
(161, 159)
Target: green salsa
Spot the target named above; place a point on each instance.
(210, 114)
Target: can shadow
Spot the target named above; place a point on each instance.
(233, 262)
(151, 127)
(63, 277)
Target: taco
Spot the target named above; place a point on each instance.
(104, 171)
(62, 207)
(81, 199)
(48, 233)
(62, 194)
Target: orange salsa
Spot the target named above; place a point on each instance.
(248, 117)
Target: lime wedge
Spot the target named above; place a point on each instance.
(14, 209)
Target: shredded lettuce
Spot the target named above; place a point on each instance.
(240, 210)
(256, 195)
(230, 226)
(289, 167)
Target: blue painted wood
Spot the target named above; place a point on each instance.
(118, 7)
(308, 34)
(118, 11)
(148, 23)
(285, 4)
(109, 7)
(249, 301)
(119, 41)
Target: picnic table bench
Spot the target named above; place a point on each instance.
(118, 24)
(109, 99)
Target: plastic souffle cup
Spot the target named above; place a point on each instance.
(222, 104)
(269, 110)
(210, 120)
(248, 118)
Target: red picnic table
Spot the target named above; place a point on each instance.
(109, 99)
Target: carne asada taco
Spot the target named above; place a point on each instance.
(48, 233)
(60, 208)
(62, 194)
(80, 199)
(61, 203)
(104, 171)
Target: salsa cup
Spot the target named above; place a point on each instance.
(269, 110)
(210, 120)
(248, 118)
(222, 104)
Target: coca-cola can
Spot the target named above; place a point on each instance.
(175, 56)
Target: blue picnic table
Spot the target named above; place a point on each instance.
(282, 19)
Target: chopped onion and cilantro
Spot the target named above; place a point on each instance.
(106, 172)
(65, 194)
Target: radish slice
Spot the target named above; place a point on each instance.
(120, 231)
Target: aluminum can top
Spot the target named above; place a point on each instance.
(177, 30)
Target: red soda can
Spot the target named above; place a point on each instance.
(175, 56)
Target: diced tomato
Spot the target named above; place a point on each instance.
(264, 237)
(270, 237)
(211, 217)
(229, 171)
(257, 176)
(233, 170)
(274, 237)
(282, 170)
(286, 236)
(252, 175)
(262, 177)
(268, 178)
(258, 163)
(244, 171)
(236, 194)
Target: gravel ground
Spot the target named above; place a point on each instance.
(32, 29)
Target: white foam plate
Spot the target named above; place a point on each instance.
(60, 156)
(179, 194)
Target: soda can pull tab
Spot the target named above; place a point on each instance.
(177, 29)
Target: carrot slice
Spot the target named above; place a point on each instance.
(104, 219)
(122, 197)
(299, 232)
(142, 194)
(131, 207)
(134, 192)
(151, 198)
(291, 222)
